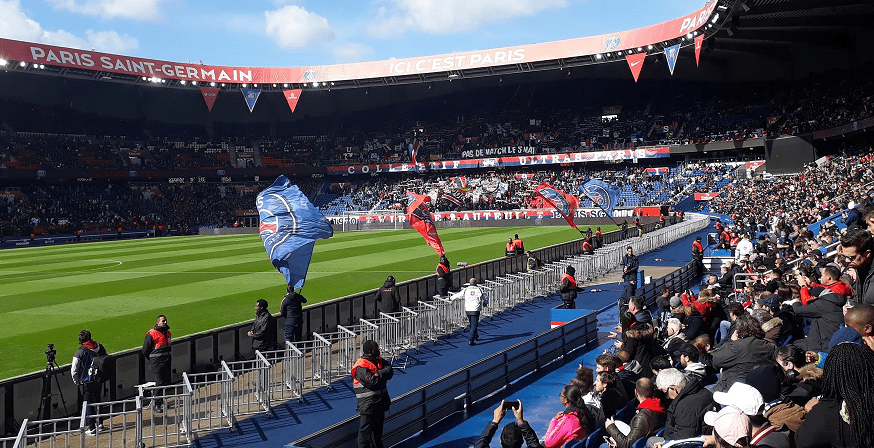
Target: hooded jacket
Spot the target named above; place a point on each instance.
(641, 345)
(773, 329)
(650, 416)
(827, 313)
(388, 296)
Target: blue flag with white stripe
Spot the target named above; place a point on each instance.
(602, 194)
(290, 226)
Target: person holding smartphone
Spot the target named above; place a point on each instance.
(513, 433)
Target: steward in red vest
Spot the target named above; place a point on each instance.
(369, 377)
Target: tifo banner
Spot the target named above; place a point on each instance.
(290, 226)
(419, 216)
(658, 171)
(522, 54)
(209, 95)
(706, 196)
(566, 204)
(671, 54)
(492, 215)
(635, 63)
(547, 159)
(604, 195)
(292, 96)
(251, 97)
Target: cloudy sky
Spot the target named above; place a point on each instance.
(285, 33)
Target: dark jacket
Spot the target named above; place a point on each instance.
(157, 351)
(264, 331)
(485, 439)
(865, 286)
(369, 387)
(630, 264)
(388, 296)
(641, 344)
(568, 292)
(737, 358)
(686, 412)
(823, 428)
(292, 308)
(650, 417)
(827, 313)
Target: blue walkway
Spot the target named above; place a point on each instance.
(323, 408)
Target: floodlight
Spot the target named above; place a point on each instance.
(598, 56)
(245, 85)
(3, 62)
(23, 64)
(285, 85)
(315, 84)
(212, 84)
(194, 83)
(182, 82)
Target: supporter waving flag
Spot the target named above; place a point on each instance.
(566, 204)
(419, 215)
(290, 226)
(604, 195)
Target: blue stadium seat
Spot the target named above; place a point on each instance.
(639, 443)
(596, 438)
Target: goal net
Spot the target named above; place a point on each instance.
(373, 220)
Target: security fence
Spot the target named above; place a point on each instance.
(213, 400)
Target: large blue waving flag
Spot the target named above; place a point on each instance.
(290, 226)
(604, 195)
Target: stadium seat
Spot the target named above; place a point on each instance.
(595, 439)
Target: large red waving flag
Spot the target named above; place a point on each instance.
(566, 204)
(419, 215)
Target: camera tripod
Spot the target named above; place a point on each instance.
(45, 403)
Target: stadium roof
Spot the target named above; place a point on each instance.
(612, 47)
(776, 28)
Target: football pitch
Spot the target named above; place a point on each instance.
(116, 288)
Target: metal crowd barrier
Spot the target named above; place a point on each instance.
(286, 374)
(249, 379)
(317, 362)
(425, 327)
(211, 401)
(172, 428)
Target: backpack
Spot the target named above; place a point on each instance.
(96, 363)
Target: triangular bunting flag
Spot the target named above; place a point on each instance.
(671, 54)
(209, 95)
(699, 42)
(292, 96)
(251, 96)
(635, 63)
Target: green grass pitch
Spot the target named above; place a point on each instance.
(115, 289)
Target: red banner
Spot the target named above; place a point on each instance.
(566, 204)
(419, 215)
(522, 54)
(706, 196)
(209, 95)
(657, 171)
(635, 63)
(699, 42)
(292, 96)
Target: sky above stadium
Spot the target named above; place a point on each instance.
(285, 33)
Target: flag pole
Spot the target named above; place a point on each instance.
(599, 206)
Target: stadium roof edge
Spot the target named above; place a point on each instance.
(605, 48)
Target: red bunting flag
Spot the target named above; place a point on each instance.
(209, 95)
(699, 42)
(292, 96)
(566, 204)
(635, 63)
(419, 215)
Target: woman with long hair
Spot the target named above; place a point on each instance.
(740, 354)
(569, 424)
(844, 416)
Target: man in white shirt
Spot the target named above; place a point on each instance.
(474, 297)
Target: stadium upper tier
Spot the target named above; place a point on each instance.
(540, 56)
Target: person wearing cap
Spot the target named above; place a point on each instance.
(688, 357)
(731, 428)
(473, 297)
(569, 288)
